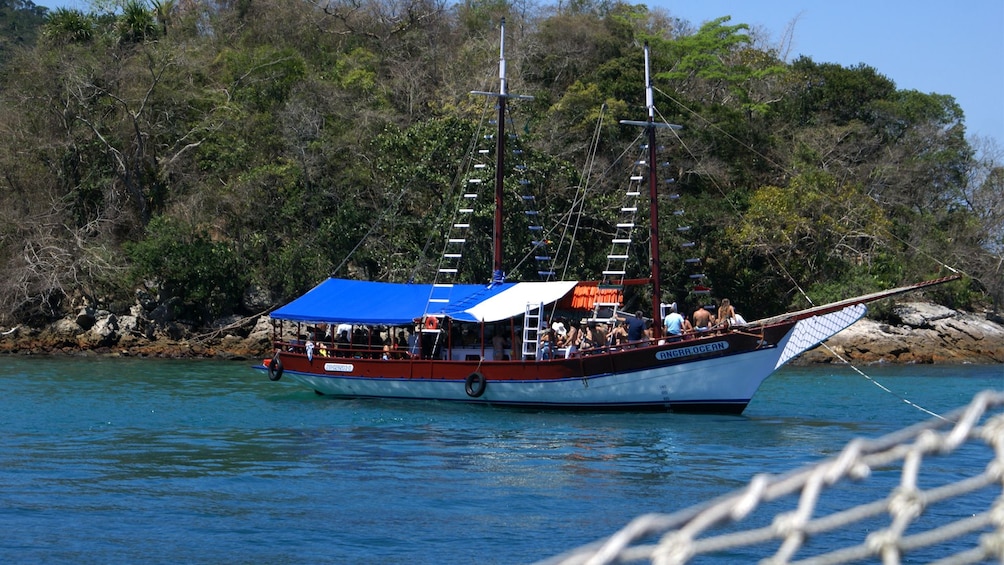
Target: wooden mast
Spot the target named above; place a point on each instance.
(653, 208)
(498, 272)
(650, 126)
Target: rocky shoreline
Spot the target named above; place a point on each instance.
(922, 333)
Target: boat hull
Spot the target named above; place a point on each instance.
(706, 385)
(716, 373)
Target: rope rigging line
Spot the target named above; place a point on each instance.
(580, 197)
(766, 158)
(390, 209)
(540, 246)
(582, 190)
(639, 139)
(777, 262)
(880, 385)
(462, 171)
(852, 365)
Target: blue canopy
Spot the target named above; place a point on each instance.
(365, 302)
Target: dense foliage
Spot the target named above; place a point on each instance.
(202, 149)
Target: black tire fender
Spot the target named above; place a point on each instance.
(475, 384)
(275, 368)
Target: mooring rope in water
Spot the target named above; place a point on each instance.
(673, 539)
(852, 365)
(878, 384)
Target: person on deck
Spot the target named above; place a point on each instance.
(619, 335)
(727, 316)
(560, 332)
(498, 345)
(346, 328)
(342, 343)
(598, 335)
(388, 344)
(589, 338)
(546, 343)
(703, 319)
(636, 327)
(675, 323)
(573, 340)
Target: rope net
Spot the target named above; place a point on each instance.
(957, 517)
(810, 332)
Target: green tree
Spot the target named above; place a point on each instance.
(187, 263)
(816, 229)
(290, 141)
(137, 23)
(65, 25)
(20, 21)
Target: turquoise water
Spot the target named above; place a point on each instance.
(151, 461)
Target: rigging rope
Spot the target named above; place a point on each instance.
(369, 232)
(774, 258)
(767, 158)
(456, 186)
(581, 191)
(880, 385)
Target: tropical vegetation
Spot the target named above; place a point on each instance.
(204, 150)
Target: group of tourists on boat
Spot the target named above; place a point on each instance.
(563, 337)
(703, 319)
(566, 338)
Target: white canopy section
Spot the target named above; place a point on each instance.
(513, 301)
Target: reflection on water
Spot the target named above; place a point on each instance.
(152, 461)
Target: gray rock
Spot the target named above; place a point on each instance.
(65, 327)
(256, 299)
(922, 314)
(928, 334)
(146, 300)
(130, 324)
(164, 312)
(104, 333)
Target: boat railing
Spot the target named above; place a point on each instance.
(327, 348)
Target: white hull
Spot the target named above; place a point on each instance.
(730, 380)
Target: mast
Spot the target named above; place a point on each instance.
(498, 272)
(650, 126)
(653, 207)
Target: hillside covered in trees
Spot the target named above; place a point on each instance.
(230, 155)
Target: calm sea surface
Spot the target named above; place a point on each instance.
(150, 461)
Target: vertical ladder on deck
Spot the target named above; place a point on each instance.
(538, 236)
(620, 246)
(453, 251)
(531, 329)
